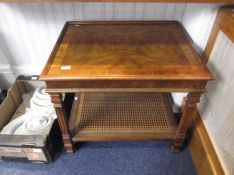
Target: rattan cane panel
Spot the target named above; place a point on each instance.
(116, 113)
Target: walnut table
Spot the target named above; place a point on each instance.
(122, 74)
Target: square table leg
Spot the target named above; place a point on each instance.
(56, 98)
(185, 121)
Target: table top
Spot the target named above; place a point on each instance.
(124, 51)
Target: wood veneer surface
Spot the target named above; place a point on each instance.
(124, 50)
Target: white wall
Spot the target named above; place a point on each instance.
(28, 31)
(198, 20)
(217, 106)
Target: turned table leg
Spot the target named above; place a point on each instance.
(56, 98)
(185, 121)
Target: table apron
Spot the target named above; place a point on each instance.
(127, 86)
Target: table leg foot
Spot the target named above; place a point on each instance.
(178, 143)
(185, 120)
(175, 149)
(68, 145)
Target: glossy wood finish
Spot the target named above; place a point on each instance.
(56, 98)
(224, 23)
(203, 153)
(202, 150)
(124, 51)
(126, 56)
(134, 85)
(185, 121)
(155, 1)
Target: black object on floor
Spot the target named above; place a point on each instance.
(111, 158)
(3, 94)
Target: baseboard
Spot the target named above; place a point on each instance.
(6, 68)
(8, 74)
(202, 151)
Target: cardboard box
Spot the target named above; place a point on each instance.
(32, 148)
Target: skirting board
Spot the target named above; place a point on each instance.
(8, 74)
(202, 151)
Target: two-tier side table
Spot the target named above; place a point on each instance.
(122, 74)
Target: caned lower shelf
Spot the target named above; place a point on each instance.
(99, 116)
